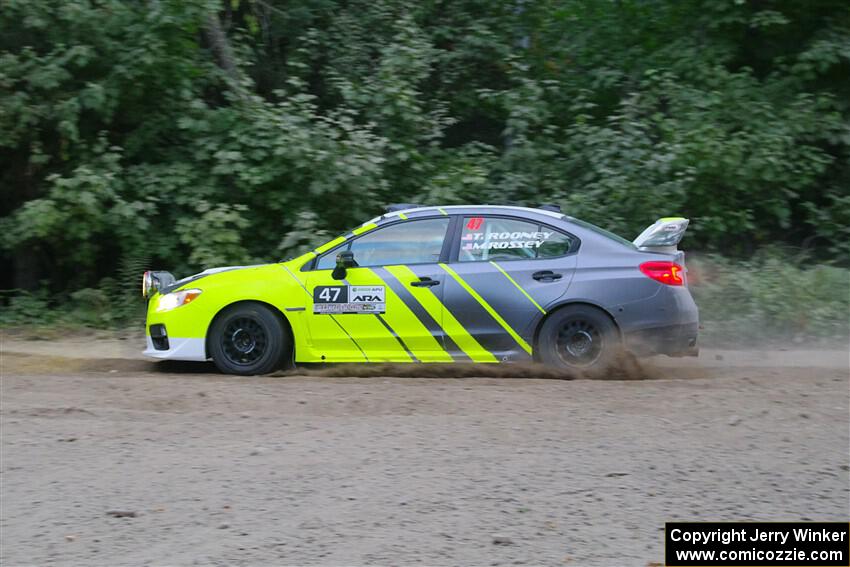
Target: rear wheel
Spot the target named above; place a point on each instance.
(580, 338)
(249, 339)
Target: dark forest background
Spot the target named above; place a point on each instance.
(183, 134)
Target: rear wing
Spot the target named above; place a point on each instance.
(662, 236)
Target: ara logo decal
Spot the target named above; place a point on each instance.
(344, 299)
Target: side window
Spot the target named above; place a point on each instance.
(411, 242)
(492, 238)
(328, 261)
(555, 245)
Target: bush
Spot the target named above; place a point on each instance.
(23, 308)
(116, 303)
(773, 297)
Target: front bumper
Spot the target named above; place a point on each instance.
(177, 334)
(672, 340)
(178, 349)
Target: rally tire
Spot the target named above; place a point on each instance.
(580, 338)
(248, 339)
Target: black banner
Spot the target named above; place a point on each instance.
(812, 544)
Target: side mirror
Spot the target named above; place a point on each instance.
(344, 260)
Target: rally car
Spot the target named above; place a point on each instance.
(438, 284)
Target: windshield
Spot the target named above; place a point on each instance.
(602, 232)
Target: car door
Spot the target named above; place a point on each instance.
(503, 275)
(388, 307)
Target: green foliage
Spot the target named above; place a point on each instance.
(24, 308)
(90, 307)
(772, 296)
(832, 224)
(213, 236)
(194, 133)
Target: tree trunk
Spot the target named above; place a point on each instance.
(221, 47)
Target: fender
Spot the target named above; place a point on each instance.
(567, 302)
(283, 317)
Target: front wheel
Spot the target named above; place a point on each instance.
(248, 339)
(579, 338)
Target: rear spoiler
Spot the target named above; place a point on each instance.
(662, 236)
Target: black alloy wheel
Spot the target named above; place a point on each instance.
(249, 338)
(580, 343)
(581, 338)
(244, 341)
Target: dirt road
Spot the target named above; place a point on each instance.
(108, 461)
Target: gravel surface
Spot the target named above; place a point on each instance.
(112, 461)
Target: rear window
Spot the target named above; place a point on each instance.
(602, 232)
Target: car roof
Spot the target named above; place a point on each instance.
(587, 232)
(468, 209)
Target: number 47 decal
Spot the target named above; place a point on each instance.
(325, 294)
(330, 294)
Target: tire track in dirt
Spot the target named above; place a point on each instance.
(26, 363)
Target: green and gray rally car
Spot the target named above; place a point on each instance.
(438, 284)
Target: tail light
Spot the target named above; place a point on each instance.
(668, 273)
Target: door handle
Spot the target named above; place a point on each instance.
(425, 282)
(546, 275)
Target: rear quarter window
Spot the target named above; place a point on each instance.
(498, 238)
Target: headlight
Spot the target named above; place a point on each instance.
(175, 299)
(147, 284)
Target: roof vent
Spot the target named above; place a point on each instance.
(550, 207)
(400, 207)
